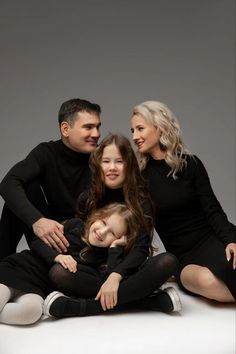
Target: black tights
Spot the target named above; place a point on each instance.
(86, 282)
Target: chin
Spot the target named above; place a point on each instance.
(113, 187)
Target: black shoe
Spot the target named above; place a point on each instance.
(166, 300)
(58, 305)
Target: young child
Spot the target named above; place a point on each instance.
(24, 281)
(110, 234)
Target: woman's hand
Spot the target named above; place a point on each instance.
(231, 252)
(67, 262)
(108, 291)
(122, 241)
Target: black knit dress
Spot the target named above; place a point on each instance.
(189, 218)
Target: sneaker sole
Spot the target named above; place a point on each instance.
(177, 306)
(49, 300)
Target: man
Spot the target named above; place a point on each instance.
(41, 190)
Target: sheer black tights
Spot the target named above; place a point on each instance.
(86, 282)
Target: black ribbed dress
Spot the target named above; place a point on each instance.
(189, 218)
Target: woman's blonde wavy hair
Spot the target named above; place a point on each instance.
(160, 116)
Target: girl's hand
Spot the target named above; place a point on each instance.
(122, 241)
(67, 262)
(108, 291)
(231, 252)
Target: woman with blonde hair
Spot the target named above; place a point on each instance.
(189, 218)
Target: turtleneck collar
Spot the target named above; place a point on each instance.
(113, 196)
(71, 154)
(156, 162)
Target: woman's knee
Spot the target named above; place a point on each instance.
(197, 277)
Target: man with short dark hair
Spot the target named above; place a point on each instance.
(41, 190)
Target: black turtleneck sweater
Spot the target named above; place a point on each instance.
(187, 211)
(62, 173)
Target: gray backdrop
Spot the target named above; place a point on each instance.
(119, 53)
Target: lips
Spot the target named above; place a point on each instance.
(93, 142)
(112, 176)
(140, 144)
(99, 238)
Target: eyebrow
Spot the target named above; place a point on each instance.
(137, 126)
(91, 125)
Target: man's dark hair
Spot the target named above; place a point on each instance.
(70, 108)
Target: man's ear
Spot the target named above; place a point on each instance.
(65, 127)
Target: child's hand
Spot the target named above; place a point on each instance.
(67, 262)
(122, 241)
(108, 291)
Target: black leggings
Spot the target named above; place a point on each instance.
(86, 282)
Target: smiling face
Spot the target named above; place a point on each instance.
(103, 232)
(83, 134)
(113, 167)
(145, 135)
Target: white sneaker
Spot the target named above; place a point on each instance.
(49, 300)
(175, 298)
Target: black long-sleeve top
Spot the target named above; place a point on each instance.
(109, 258)
(62, 173)
(187, 210)
(140, 252)
(28, 270)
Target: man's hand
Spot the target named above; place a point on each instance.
(67, 262)
(52, 233)
(108, 291)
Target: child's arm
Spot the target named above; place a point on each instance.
(73, 229)
(133, 260)
(116, 254)
(44, 251)
(108, 291)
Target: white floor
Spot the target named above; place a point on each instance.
(201, 328)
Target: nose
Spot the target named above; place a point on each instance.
(135, 135)
(112, 165)
(103, 231)
(96, 132)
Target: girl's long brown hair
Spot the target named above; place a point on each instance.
(134, 189)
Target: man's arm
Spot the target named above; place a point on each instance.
(13, 189)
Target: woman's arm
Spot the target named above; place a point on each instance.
(224, 230)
